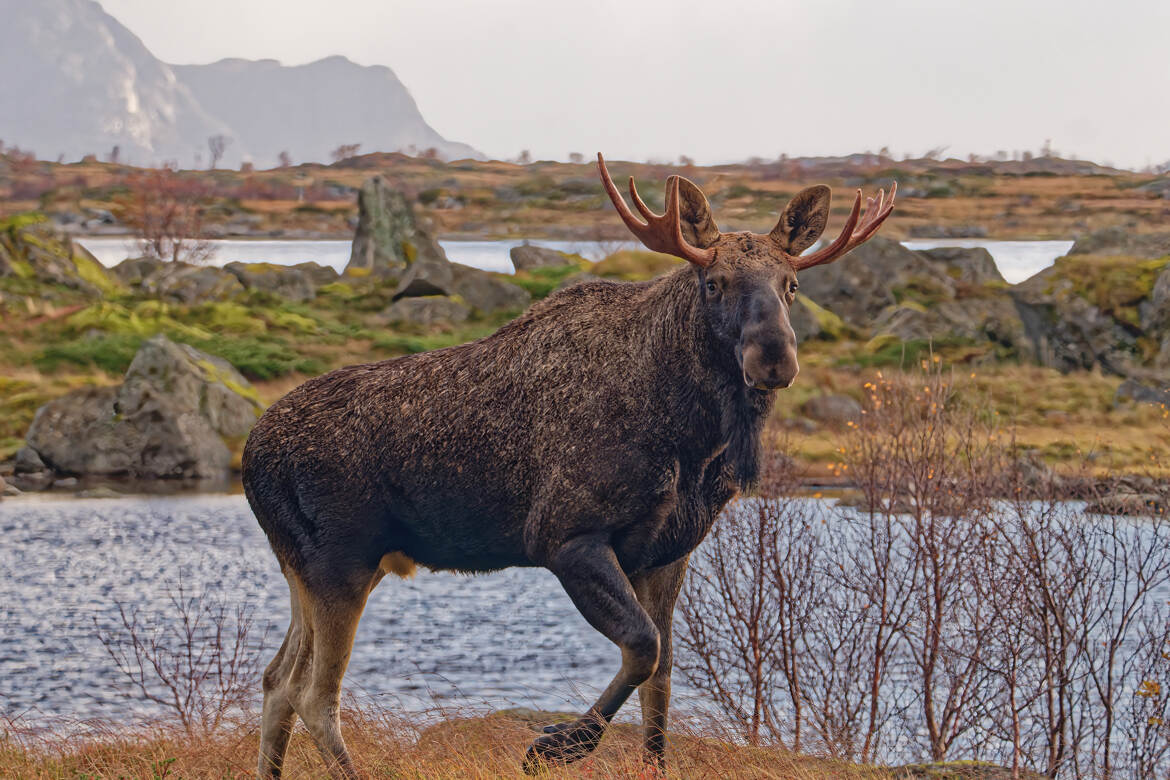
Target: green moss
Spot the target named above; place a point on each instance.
(636, 265)
(832, 327)
(356, 273)
(889, 350)
(21, 221)
(90, 270)
(213, 373)
(110, 353)
(287, 320)
(227, 317)
(540, 282)
(21, 268)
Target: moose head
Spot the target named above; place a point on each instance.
(748, 280)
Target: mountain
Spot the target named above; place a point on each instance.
(78, 82)
(309, 110)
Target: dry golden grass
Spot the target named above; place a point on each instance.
(385, 745)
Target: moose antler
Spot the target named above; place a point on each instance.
(853, 234)
(659, 233)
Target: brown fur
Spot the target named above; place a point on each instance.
(597, 435)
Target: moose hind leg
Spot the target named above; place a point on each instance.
(657, 592)
(318, 702)
(590, 574)
(278, 713)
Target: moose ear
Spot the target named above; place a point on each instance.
(698, 226)
(803, 220)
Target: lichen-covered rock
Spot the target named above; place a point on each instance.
(426, 310)
(31, 248)
(811, 321)
(166, 421)
(1087, 311)
(389, 237)
(193, 380)
(993, 319)
(133, 270)
(486, 292)
(319, 275)
(526, 257)
(284, 281)
(178, 281)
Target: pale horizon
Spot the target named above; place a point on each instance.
(748, 80)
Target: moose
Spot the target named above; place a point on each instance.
(598, 435)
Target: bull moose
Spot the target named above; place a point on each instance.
(597, 435)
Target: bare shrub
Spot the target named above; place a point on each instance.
(166, 212)
(197, 658)
(949, 614)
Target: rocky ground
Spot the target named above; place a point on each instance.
(1075, 360)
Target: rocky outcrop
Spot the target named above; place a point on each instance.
(527, 257)
(1121, 241)
(859, 286)
(167, 420)
(390, 243)
(178, 281)
(426, 310)
(290, 283)
(993, 319)
(31, 248)
(389, 238)
(1068, 332)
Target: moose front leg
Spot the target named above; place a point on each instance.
(589, 572)
(657, 591)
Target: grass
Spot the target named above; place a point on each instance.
(453, 748)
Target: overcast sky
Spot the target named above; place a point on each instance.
(723, 80)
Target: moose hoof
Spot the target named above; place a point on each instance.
(564, 743)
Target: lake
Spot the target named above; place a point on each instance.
(1017, 260)
(511, 638)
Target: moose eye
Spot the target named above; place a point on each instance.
(712, 288)
(793, 287)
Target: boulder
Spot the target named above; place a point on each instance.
(389, 237)
(1156, 313)
(973, 266)
(186, 283)
(319, 275)
(873, 276)
(833, 410)
(283, 281)
(480, 290)
(32, 248)
(1126, 502)
(27, 461)
(426, 310)
(133, 270)
(194, 381)
(810, 321)
(166, 420)
(485, 291)
(1122, 241)
(526, 257)
(1133, 390)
